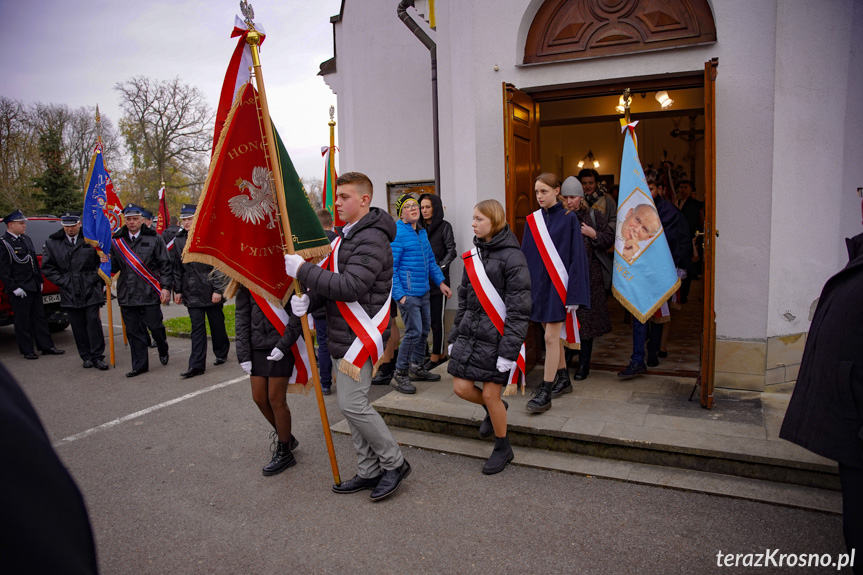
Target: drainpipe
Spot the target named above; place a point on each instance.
(430, 44)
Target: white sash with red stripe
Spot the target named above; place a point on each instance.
(369, 344)
(134, 262)
(494, 308)
(279, 319)
(556, 270)
(170, 245)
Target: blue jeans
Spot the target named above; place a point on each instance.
(416, 314)
(639, 338)
(325, 362)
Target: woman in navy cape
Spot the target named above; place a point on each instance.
(564, 230)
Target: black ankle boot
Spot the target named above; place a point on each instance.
(562, 385)
(501, 455)
(486, 428)
(282, 459)
(584, 360)
(384, 374)
(541, 398)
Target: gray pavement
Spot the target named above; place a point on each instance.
(178, 489)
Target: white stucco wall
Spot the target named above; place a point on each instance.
(812, 58)
(384, 101)
(788, 147)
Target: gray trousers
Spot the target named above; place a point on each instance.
(375, 445)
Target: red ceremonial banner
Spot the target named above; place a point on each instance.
(237, 227)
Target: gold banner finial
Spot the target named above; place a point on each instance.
(332, 121)
(98, 117)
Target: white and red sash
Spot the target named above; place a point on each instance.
(279, 318)
(494, 308)
(170, 245)
(369, 343)
(556, 270)
(134, 262)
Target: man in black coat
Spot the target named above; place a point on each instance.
(45, 527)
(200, 289)
(825, 414)
(145, 282)
(22, 280)
(73, 265)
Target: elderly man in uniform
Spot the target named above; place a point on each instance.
(200, 289)
(22, 280)
(145, 282)
(73, 265)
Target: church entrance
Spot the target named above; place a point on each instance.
(565, 130)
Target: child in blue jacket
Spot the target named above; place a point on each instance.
(413, 266)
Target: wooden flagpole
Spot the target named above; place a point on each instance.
(108, 290)
(253, 39)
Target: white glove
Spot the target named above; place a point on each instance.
(681, 273)
(504, 365)
(19, 292)
(571, 308)
(276, 354)
(300, 305)
(449, 350)
(247, 367)
(293, 263)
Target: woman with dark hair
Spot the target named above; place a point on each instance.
(560, 283)
(598, 237)
(491, 323)
(265, 354)
(442, 243)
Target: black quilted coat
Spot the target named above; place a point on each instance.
(74, 269)
(196, 282)
(365, 276)
(476, 342)
(254, 330)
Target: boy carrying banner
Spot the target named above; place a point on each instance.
(355, 285)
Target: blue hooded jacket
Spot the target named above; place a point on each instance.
(413, 262)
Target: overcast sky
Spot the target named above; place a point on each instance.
(74, 52)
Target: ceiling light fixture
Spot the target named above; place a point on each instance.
(590, 160)
(664, 100)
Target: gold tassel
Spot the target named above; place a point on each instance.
(349, 369)
(644, 318)
(302, 388)
(566, 344)
(511, 389)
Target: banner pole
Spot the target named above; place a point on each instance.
(108, 279)
(253, 39)
(331, 168)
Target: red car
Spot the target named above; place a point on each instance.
(38, 230)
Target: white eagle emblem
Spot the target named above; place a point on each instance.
(260, 203)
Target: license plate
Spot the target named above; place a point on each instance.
(51, 298)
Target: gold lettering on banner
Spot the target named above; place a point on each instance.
(260, 252)
(623, 271)
(238, 151)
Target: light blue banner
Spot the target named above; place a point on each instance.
(644, 276)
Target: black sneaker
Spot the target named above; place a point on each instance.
(634, 368)
(419, 373)
(402, 382)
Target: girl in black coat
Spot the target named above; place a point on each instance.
(266, 356)
(478, 351)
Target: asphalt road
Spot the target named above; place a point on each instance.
(179, 490)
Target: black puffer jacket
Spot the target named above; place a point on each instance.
(254, 330)
(476, 341)
(131, 288)
(196, 282)
(74, 269)
(441, 239)
(365, 276)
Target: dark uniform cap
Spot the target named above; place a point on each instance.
(188, 210)
(133, 210)
(15, 216)
(70, 218)
(146, 214)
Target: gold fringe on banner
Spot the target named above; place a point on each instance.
(644, 318)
